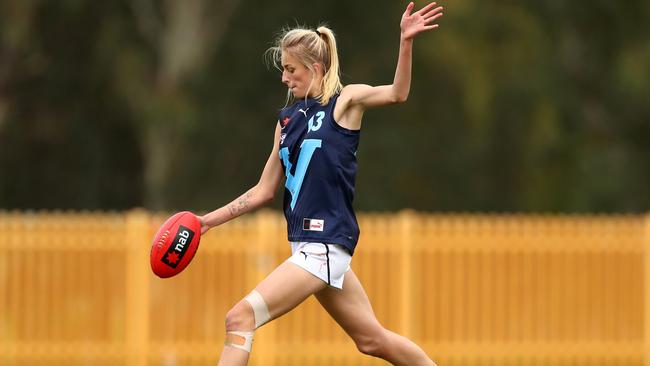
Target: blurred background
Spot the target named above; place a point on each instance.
(518, 170)
(519, 106)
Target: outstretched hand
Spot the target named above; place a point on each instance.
(420, 21)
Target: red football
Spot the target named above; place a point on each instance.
(175, 244)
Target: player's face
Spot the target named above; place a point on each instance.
(297, 77)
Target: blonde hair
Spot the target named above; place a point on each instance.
(310, 47)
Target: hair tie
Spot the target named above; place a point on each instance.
(317, 32)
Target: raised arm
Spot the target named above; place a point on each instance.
(261, 194)
(365, 96)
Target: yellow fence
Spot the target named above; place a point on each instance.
(76, 289)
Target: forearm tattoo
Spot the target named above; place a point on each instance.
(241, 205)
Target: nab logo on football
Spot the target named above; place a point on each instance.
(178, 247)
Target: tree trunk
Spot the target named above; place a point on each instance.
(184, 39)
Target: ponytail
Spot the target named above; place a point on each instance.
(332, 79)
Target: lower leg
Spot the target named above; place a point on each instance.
(240, 324)
(233, 357)
(352, 311)
(399, 350)
(285, 288)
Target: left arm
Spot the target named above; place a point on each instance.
(365, 96)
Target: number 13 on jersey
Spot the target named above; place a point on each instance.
(294, 181)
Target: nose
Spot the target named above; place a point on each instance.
(285, 78)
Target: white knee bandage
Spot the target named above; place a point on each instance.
(260, 310)
(241, 340)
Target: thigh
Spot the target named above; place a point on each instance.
(286, 287)
(350, 307)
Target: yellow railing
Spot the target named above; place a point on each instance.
(76, 289)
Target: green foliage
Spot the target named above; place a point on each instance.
(514, 106)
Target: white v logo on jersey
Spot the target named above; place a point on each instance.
(303, 112)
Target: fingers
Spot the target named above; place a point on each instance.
(426, 8)
(433, 12)
(204, 226)
(409, 8)
(432, 18)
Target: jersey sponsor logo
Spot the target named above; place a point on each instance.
(282, 137)
(313, 224)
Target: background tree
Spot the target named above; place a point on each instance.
(515, 106)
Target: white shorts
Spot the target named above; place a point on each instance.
(329, 262)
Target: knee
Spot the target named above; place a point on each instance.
(240, 317)
(374, 344)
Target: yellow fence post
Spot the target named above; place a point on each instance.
(406, 220)
(646, 304)
(262, 262)
(137, 246)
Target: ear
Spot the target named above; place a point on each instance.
(318, 69)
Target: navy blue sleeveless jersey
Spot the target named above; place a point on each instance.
(319, 161)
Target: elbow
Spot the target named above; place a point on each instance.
(400, 98)
(266, 197)
(264, 193)
(398, 93)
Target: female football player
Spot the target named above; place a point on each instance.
(314, 149)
